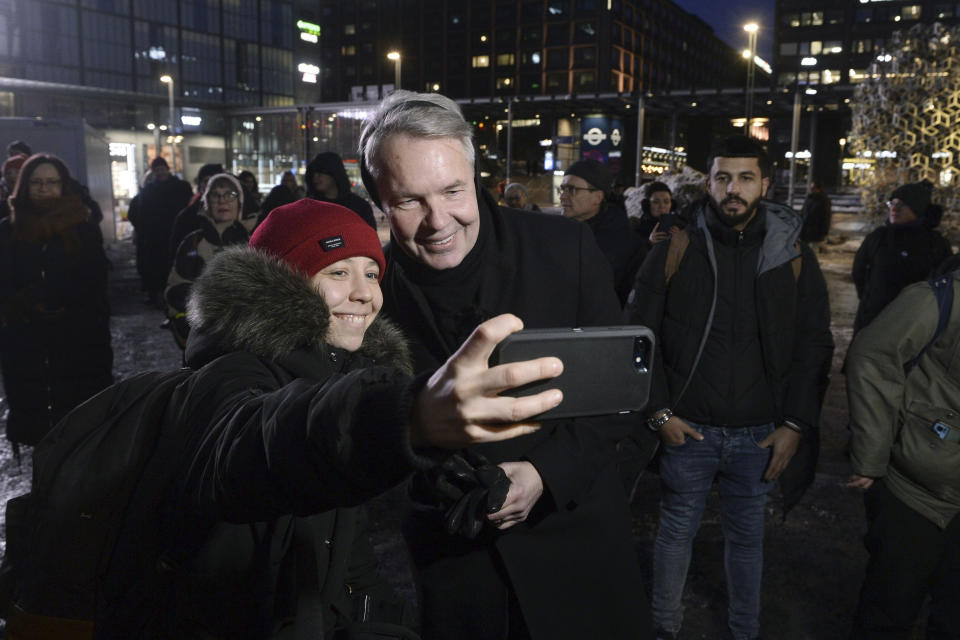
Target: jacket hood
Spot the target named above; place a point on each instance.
(248, 300)
(331, 164)
(781, 238)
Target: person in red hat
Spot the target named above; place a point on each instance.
(303, 409)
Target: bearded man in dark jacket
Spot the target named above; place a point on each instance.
(742, 321)
(326, 179)
(555, 560)
(300, 409)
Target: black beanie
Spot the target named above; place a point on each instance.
(915, 195)
(595, 173)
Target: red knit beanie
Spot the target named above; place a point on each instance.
(310, 235)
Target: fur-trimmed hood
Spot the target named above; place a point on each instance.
(252, 301)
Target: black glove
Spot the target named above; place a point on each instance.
(467, 488)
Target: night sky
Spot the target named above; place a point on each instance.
(728, 18)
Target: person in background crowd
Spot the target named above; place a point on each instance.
(188, 219)
(551, 557)
(221, 225)
(152, 218)
(303, 408)
(54, 315)
(252, 198)
(284, 193)
(905, 250)
(19, 147)
(584, 196)
(516, 197)
(326, 180)
(11, 169)
(905, 453)
(816, 213)
(743, 336)
(657, 202)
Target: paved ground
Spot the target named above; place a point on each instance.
(814, 558)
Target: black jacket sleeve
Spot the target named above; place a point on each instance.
(302, 449)
(812, 345)
(645, 307)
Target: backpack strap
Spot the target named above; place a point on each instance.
(943, 292)
(679, 243)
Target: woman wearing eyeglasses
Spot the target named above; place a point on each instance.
(221, 226)
(54, 314)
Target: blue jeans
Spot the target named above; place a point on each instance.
(687, 472)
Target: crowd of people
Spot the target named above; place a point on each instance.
(329, 369)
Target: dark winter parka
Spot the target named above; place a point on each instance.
(54, 314)
(292, 435)
(571, 564)
(792, 316)
(157, 206)
(890, 258)
(331, 164)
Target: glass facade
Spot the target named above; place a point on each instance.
(222, 52)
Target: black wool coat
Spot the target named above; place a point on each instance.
(290, 436)
(54, 326)
(572, 564)
(152, 217)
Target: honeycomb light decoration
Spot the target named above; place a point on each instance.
(906, 116)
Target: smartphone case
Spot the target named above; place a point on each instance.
(606, 370)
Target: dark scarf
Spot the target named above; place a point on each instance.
(42, 220)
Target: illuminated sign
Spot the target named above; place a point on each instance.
(309, 27)
(309, 37)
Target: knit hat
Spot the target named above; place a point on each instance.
(209, 169)
(13, 162)
(915, 195)
(233, 182)
(158, 162)
(19, 146)
(310, 235)
(595, 173)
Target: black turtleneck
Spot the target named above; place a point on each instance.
(729, 387)
(452, 294)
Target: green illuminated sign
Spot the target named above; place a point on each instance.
(308, 27)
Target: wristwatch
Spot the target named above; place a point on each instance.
(658, 419)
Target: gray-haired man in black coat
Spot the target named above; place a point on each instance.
(556, 560)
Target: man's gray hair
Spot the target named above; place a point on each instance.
(419, 115)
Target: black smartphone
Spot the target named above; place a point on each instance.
(606, 370)
(667, 222)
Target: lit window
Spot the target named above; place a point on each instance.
(910, 12)
(504, 83)
(348, 50)
(349, 29)
(481, 61)
(505, 59)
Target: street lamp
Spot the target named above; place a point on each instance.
(750, 53)
(168, 80)
(395, 56)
